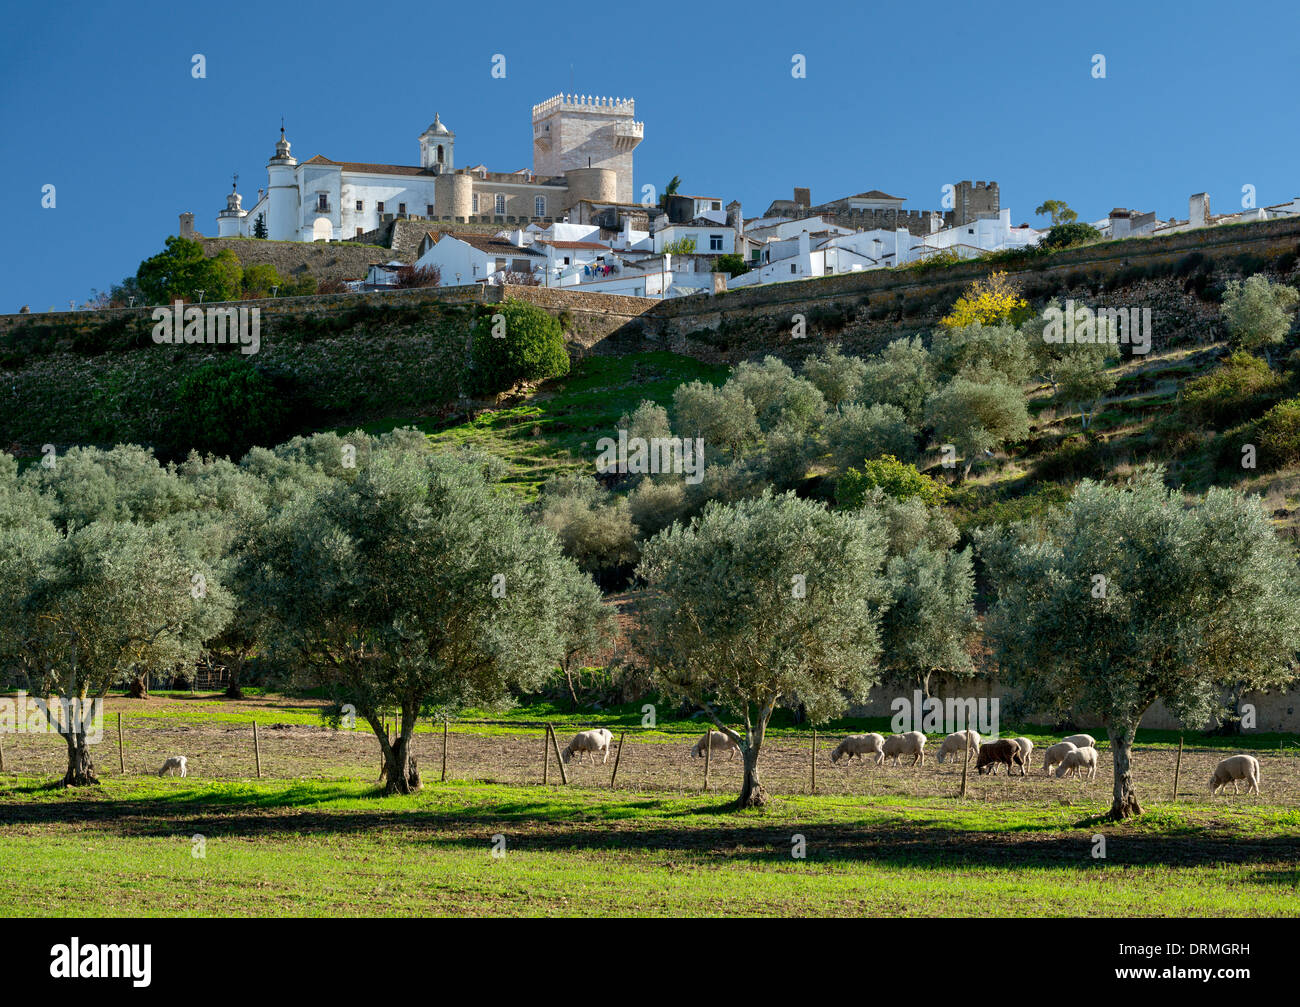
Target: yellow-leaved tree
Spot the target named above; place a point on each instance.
(990, 301)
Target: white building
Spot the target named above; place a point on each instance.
(477, 258)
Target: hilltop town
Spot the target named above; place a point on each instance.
(576, 220)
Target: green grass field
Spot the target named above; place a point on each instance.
(334, 848)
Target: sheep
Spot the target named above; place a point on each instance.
(590, 742)
(175, 762)
(860, 745)
(995, 753)
(1234, 768)
(1082, 740)
(715, 740)
(909, 743)
(1026, 750)
(967, 741)
(1056, 753)
(1080, 758)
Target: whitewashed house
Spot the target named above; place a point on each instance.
(464, 258)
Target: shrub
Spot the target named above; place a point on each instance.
(989, 301)
(1068, 235)
(899, 480)
(229, 406)
(1233, 391)
(1279, 435)
(856, 431)
(1256, 313)
(732, 264)
(515, 343)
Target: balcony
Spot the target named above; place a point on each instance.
(322, 208)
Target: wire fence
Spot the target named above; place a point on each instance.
(639, 760)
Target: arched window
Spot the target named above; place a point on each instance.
(440, 153)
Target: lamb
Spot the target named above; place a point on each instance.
(716, 741)
(909, 743)
(1056, 753)
(860, 745)
(995, 753)
(960, 741)
(175, 762)
(1082, 740)
(590, 742)
(1080, 758)
(1026, 750)
(1234, 768)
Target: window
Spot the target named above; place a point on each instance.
(500, 204)
(717, 204)
(401, 207)
(360, 232)
(715, 243)
(322, 200)
(474, 203)
(793, 268)
(361, 205)
(380, 206)
(440, 153)
(539, 206)
(428, 210)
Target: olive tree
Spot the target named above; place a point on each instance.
(767, 601)
(417, 585)
(1128, 595)
(976, 416)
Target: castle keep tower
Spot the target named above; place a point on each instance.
(578, 132)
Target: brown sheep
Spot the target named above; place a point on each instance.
(995, 753)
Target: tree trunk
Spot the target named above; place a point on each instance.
(139, 687)
(401, 774)
(81, 768)
(233, 688)
(1125, 803)
(752, 794)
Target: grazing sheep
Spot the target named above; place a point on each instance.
(999, 753)
(860, 745)
(909, 743)
(1056, 753)
(960, 741)
(1234, 768)
(1026, 750)
(591, 742)
(176, 762)
(717, 741)
(1082, 740)
(1080, 758)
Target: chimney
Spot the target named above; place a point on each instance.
(804, 243)
(1198, 209)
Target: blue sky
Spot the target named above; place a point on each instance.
(99, 101)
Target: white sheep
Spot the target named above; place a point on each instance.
(860, 745)
(968, 741)
(717, 741)
(1056, 753)
(1026, 750)
(909, 743)
(1234, 768)
(1080, 758)
(1082, 740)
(590, 742)
(175, 762)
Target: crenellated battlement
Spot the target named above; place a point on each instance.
(622, 107)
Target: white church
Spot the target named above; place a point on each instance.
(582, 161)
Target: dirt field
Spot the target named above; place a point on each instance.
(220, 748)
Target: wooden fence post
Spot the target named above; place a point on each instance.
(618, 755)
(708, 755)
(546, 755)
(1178, 765)
(2, 753)
(965, 764)
(444, 749)
(564, 774)
(257, 751)
(121, 759)
(814, 762)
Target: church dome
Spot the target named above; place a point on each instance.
(282, 145)
(437, 128)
